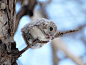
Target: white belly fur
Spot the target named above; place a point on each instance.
(37, 33)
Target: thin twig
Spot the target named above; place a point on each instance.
(60, 34)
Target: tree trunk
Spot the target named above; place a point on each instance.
(8, 50)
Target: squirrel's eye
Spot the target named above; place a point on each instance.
(51, 28)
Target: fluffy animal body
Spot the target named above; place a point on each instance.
(39, 32)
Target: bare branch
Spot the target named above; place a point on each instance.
(59, 34)
(58, 44)
(25, 10)
(55, 58)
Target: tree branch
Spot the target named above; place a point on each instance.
(25, 10)
(58, 44)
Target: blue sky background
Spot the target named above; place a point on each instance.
(68, 15)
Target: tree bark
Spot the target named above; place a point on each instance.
(8, 50)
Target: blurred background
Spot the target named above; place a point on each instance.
(68, 15)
